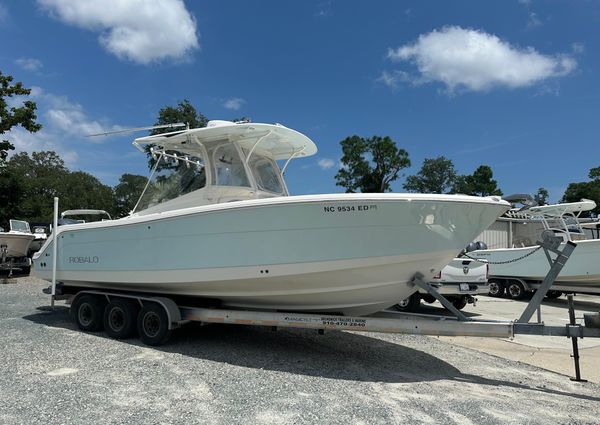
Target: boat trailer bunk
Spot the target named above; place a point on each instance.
(155, 317)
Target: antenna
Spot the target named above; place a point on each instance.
(131, 130)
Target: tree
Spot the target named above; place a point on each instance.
(82, 190)
(589, 190)
(24, 115)
(370, 165)
(480, 183)
(28, 185)
(541, 197)
(38, 179)
(127, 193)
(184, 112)
(436, 176)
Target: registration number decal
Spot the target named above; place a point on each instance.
(349, 208)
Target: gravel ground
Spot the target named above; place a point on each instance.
(52, 373)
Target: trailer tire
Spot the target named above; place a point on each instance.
(120, 318)
(552, 294)
(410, 304)
(460, 302)
(496, 289)
(515, 290)
(87, 311)
(153, 324)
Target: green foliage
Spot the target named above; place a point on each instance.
(370, 165)
(437, 175)
(480, 183)
(541, 197)
(28, 185)
(9, 117)
(183, 112)
(127, 193)
(575, 192)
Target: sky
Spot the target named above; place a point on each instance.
(510, 84)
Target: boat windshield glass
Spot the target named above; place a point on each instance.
(266, 173)
(228, 167)
(175, 174)
(19, 226)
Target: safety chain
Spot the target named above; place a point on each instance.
(514, 260)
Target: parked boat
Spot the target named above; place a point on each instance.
(216, 221)
(17, 239)
(581, 272)
(14, 246)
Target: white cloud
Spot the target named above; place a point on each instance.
(533, 20)
(326, 163)
(30, 64)
(577, 47)
(3, 13)
(324, 9)
(393, 78)
(474, 60)
(234, 103)
(137, 30)
(64, 127)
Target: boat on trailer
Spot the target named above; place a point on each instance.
(215, 221)
(530, 265)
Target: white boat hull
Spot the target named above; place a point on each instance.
(349, 254)
(582, 268)
(17, 244)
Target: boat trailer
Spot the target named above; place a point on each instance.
(158, 316)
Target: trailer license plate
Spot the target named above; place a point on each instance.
(464, 287)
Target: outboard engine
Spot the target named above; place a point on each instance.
(474, 246)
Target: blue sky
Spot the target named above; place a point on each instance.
(511, 84)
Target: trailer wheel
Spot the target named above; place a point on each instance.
(553, 294)
(496, 289)
(516, 290)
(153, 324)
(120, 318)
(409, 304)
(460, 302)
(87, 311)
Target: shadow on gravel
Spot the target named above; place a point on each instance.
(564, 303)
(335, 355)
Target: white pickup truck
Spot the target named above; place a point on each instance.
(458, 282)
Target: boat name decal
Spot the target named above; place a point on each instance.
(349, 208)
(78, 260)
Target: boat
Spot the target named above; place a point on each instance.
(14, 247)
(15, 243)
(581, 273)
(216, 222)
(39, 238)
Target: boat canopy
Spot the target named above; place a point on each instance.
(69, 213)
(279, 142)
(558, 210)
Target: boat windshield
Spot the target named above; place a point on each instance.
(174, 174)
(19, 226)
(228, 168)
(266, 174)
